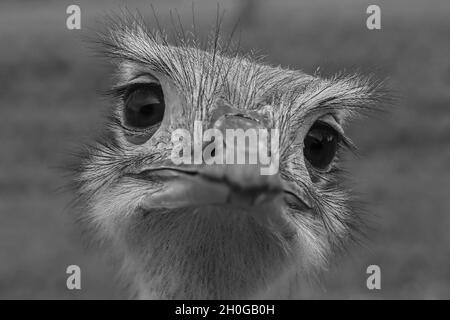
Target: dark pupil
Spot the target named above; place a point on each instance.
(144, 106)
(320, 145)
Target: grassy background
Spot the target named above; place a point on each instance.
(48, 100)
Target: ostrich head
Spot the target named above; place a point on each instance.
(217, 230)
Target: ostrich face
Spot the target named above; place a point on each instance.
(217, 231)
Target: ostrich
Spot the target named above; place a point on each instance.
(218, 231)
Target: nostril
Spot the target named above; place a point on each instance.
(213, 152)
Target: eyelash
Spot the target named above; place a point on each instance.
(122, 92)
(344, 141)
(347, 143)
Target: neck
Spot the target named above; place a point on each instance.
(206, 255)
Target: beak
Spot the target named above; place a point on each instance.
(234, 185)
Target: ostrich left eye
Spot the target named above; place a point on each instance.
(320, 145)
(144, 106)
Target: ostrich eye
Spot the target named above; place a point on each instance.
(144, 106)
(320, 145)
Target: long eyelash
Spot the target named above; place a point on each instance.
(122, 91)
(347, 143)
(344, 140)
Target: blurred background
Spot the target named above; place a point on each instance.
(49, 85)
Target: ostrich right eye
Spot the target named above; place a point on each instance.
(144, 106)
(320, 145)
